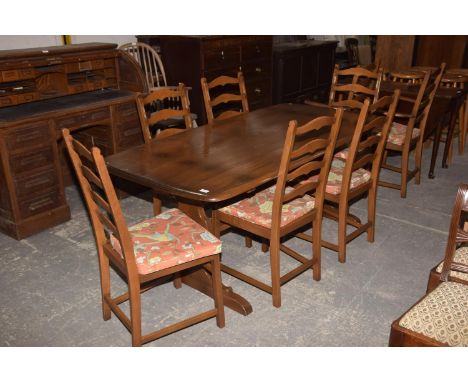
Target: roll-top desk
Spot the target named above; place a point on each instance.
(87, 88)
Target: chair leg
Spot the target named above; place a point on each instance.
(265, 246)
(404, 172)
(156, 205)
(417, 160)
(105, 286)
(275, 273)
(217, 292)
(135, 312)
(177, 281)
(342, 213)
(371, 202)
(248, 241)
(316, 252)
(463, 122)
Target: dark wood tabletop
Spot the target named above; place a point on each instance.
(216, 162)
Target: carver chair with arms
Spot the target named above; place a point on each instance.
(224, 105)
(407, 131)
(288, 205)
(144, 253)
(354, 173)
(440, 318)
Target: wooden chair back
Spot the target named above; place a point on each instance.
(157, 106)
(424, 99)
(103, 206)
(415, 77)
(369, 139)
(303, 155)
(350, 87)
(210, 91)
(458, 233)
(149, 61)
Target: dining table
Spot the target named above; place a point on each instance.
(209, 166)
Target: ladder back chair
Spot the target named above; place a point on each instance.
(150, 117)
(143, 253)
(440, 318)
(354, 173)
(350, 87)
(407, 132)
(452, 79)
(224, 105)
(288, 205)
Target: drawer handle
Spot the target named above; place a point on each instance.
(37, 182)
(40, 203)
(257, 49)
(222, 54)
(258, 69)
(257, 90)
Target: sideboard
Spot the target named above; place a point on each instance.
(303, 70)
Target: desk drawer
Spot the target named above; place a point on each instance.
(35, 182)
(82, 119)
(226, 56)
(259, 91)
(40, 203)
(261, 49)
(34, 159)
(126, 112)
(255, 70)
(29, 135)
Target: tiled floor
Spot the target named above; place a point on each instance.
(50, 284)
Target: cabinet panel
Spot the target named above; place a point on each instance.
(27, 136)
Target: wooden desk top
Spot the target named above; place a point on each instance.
(216, 162)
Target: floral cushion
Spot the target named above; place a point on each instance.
(461, 256)
(343, 154)
(441, 315)
(169, 239)
(258, 208)
(397, 134)
(335, 177)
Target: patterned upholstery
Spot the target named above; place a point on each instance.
(397, 134)
(461, 256)
(169, 239)
(335, 177)
(441, 315)
(343, 154)
(258, 208)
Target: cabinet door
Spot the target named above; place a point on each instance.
(289, 79)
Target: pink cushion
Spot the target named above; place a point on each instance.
(169, 239)
(343, 154)
(397, 134)
(335, 177)
(258, 208)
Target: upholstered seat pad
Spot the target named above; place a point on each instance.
(441, 315)
(335, 177)
(343, 154)
(398, 132)
(258, 208)
(461, 256)
(169, 239)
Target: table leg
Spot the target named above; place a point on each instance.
(200, 278)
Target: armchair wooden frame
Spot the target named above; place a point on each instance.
(401, 336)
(416, 119)
(107, 219)
(160, 97)
(207, 88)
(364, 152)
(313, 154)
